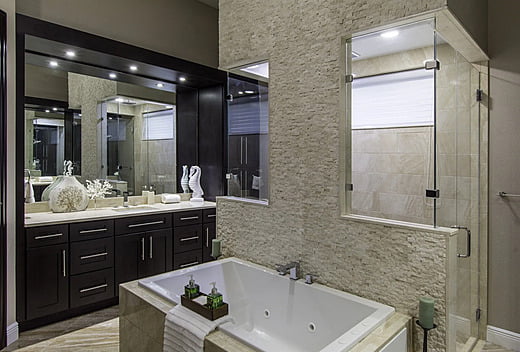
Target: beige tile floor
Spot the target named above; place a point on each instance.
(64, 332)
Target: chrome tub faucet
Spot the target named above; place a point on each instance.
(293, 268)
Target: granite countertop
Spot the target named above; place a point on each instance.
(50, 218)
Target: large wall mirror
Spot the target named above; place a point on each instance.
(118, 119)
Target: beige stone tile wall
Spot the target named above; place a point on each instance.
(301, 39)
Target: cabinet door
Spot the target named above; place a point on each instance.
(129, 255)
(47, 280)
(209, 232)
(158, 253)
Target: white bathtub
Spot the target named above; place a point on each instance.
(272, 312)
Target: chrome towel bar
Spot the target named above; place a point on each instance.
(505, 194)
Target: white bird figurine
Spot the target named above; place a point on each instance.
(195, 182)
(185, 179)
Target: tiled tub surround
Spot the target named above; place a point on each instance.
(274, 313)
(142, 314)
(301, 39)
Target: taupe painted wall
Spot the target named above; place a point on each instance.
(504, 215)
(43, 82)
(186, 29)
(473, 14)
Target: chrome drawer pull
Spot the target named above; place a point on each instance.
(147, 223)
(91, 231)
(189, 238)
(142, 248)
(189, 264)
(93, 288)
(212, 215)
(190, 218)
(64, 259)
(48, 236)
(93, 255)
(151, 248)
(207, 237)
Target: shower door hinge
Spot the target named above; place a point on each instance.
(432, 193)
(477, 314)
(349, 78)
(349, 187)
(229, 97)
(432, 64)
(478, 95)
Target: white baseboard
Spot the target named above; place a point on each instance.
(504, 338)
(12, 333)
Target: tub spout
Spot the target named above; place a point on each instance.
(293, 268)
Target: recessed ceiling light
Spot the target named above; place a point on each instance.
(249, 91)
(53, 63)
(133, 68)
(168, 106)
(47, 110)
(70, 53)
(159, 85)
(54, 109)
(240, 92)
(120, 100)
(390, 34)
(182, 79)
(112, 75)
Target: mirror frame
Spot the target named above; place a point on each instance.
(209, 109)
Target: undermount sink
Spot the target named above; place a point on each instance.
(134, 208)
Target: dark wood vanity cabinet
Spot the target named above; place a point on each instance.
(142, 246)
(72, 268)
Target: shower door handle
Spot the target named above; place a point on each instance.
(468, 241)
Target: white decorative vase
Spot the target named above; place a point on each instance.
(69, 195)
(47, 191)
(195, 182)
(184, 179)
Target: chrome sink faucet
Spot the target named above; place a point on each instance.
(293, 268)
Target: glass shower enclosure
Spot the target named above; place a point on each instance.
(415, 134)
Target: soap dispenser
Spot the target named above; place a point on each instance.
(191, 290)
(214, 299)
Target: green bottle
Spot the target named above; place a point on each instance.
(214, 299)
(191, 290)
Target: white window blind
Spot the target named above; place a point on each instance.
(393, 100)
(158, 124)
(248, 118)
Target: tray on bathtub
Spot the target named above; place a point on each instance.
(204, 310)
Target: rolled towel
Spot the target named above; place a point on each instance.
(29, 192)
(185, 331)
(170, 198)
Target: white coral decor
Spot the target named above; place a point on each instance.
(98, 189)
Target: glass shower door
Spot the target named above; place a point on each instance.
(458, 139)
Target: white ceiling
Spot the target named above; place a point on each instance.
(412, 36)
(212, 3)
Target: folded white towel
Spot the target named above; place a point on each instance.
(256, 182)
(29, 192)
(185, 331)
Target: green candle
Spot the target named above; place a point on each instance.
(426, 312)
(215, 248)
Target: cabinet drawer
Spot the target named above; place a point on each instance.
(91, 255)
(47, 235)
(209, 215)
(187, 218)
(186, 259)
(187, 238)
(91, 230)
(142, 223)
(91, 287)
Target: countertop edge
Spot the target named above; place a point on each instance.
(108, 213)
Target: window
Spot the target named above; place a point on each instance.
(158, 125)
(248, 135)
(401, 99)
